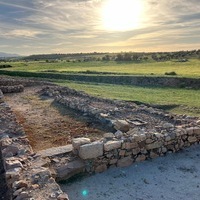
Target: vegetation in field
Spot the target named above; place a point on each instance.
(190, 68)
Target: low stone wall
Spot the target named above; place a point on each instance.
(8, 81)
(123, 149)
(12, 89)
(141, 132)
(25, 174)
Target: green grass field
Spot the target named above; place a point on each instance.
(177, 100)
(183, 69)
(180, 101)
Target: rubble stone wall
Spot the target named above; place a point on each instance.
(8, 81)
(23, 175)
(123, 149)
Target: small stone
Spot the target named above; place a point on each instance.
(192, 139)
(198, 122)
(196, 130)
(11, 164)
(122, 125)
(20, 184)
(118, 134)
(190, 131)
(122, 152)
(154, 145)
(129, 145)
(149, 141)
(77, 142)
(108, 135)
(23, 195)
(153, 155)
(35, 186)
(113, 161)
(135, 151)
(63, 196)
(140, 158)
(124, 162)
(101, 168)
(168, 125)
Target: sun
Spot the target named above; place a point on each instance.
(122, 15)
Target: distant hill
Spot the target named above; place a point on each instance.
(8, 55)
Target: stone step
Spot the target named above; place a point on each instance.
(55, 151)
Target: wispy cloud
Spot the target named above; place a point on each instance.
(76, 25)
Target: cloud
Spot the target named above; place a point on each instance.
(75, 25)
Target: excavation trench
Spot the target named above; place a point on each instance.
(47, 123)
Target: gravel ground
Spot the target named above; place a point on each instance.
(175, 176)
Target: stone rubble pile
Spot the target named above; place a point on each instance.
(27, 175)
(113, 113)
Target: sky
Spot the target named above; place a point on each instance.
(70, 26)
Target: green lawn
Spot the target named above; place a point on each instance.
(183, 69)
(181, 101)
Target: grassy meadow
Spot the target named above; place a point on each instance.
(182, 69)
(176, 100)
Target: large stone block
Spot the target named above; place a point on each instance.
(90, 151)
(110, 145)
(70, 169)
(77, 142)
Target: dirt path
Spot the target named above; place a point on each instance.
(46, 123)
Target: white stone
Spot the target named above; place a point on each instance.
(77, 142)
(92, 150)
(110, 145)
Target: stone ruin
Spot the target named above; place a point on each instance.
(138, 133)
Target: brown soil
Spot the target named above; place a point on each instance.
(48, 124)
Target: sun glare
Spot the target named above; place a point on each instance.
(122, 15)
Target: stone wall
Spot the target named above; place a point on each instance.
(8, 81)
(133, 140)
(23, 174)
(12, 89)
(122, 149)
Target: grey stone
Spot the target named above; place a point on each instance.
(70, 169)
(89, 151)
(55, 151)
(168, 125)
(110, 145)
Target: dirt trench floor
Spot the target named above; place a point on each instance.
(48, 124)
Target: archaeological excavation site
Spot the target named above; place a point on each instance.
(50, 134)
